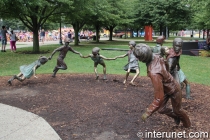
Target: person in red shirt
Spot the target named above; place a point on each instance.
(165, 87)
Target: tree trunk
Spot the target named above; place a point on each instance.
(125, 33)
(111, 33)
(36, 41)
(97, 32)
(161, 29)
(199, 33)
(76, 30)
(168, 33)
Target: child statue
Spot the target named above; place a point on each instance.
(159, 41)
(165, 87)
(26, 71)
(168, 53)
(60, 60)
(133, 64)
(98, 59)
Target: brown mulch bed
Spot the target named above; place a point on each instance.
(81, 108)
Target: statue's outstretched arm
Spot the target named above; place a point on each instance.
(108, 58)
(86, 56)
(122, 56)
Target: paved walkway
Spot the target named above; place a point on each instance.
(17, 124)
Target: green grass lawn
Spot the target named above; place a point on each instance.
(195, 68)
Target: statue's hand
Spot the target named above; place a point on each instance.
(50, 58)
(144, 116)
(178, 68)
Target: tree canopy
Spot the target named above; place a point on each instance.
(108, 14)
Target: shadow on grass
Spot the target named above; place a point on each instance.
(31, 52)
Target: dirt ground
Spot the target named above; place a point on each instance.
(79, 107)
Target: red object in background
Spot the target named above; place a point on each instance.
(148, 33)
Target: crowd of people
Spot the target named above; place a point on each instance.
(13, 36)
(27, 36)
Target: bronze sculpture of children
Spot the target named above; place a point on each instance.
(165, 87)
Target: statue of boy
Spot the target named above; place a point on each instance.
(60, 60)
(165, 51)
(26, 71)
(98, 59)
(165, 87)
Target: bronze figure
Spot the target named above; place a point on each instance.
(26, 71)
(98, 59)
(159, 41)
(132, 65)
(60, 60)
(165, 87)
(173, 57)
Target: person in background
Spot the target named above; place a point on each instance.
(4, 38)
(69, 34)
(13, 39)
(42, 34)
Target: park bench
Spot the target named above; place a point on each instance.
(195, 49)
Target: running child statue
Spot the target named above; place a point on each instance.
(62, 54)
(168, 54)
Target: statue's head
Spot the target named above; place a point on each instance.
(143, 53)
(177, 45)
(95, 50)
(133, 43)
(67, 40)
(43, 59)
(160, 39)
(164, 51)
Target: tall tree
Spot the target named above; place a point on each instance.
(33, 14)
(121, 13)
(164, 13)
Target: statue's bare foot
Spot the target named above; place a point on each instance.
(131, 83)
(97, 77)
(9, 82)
(124, 82)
